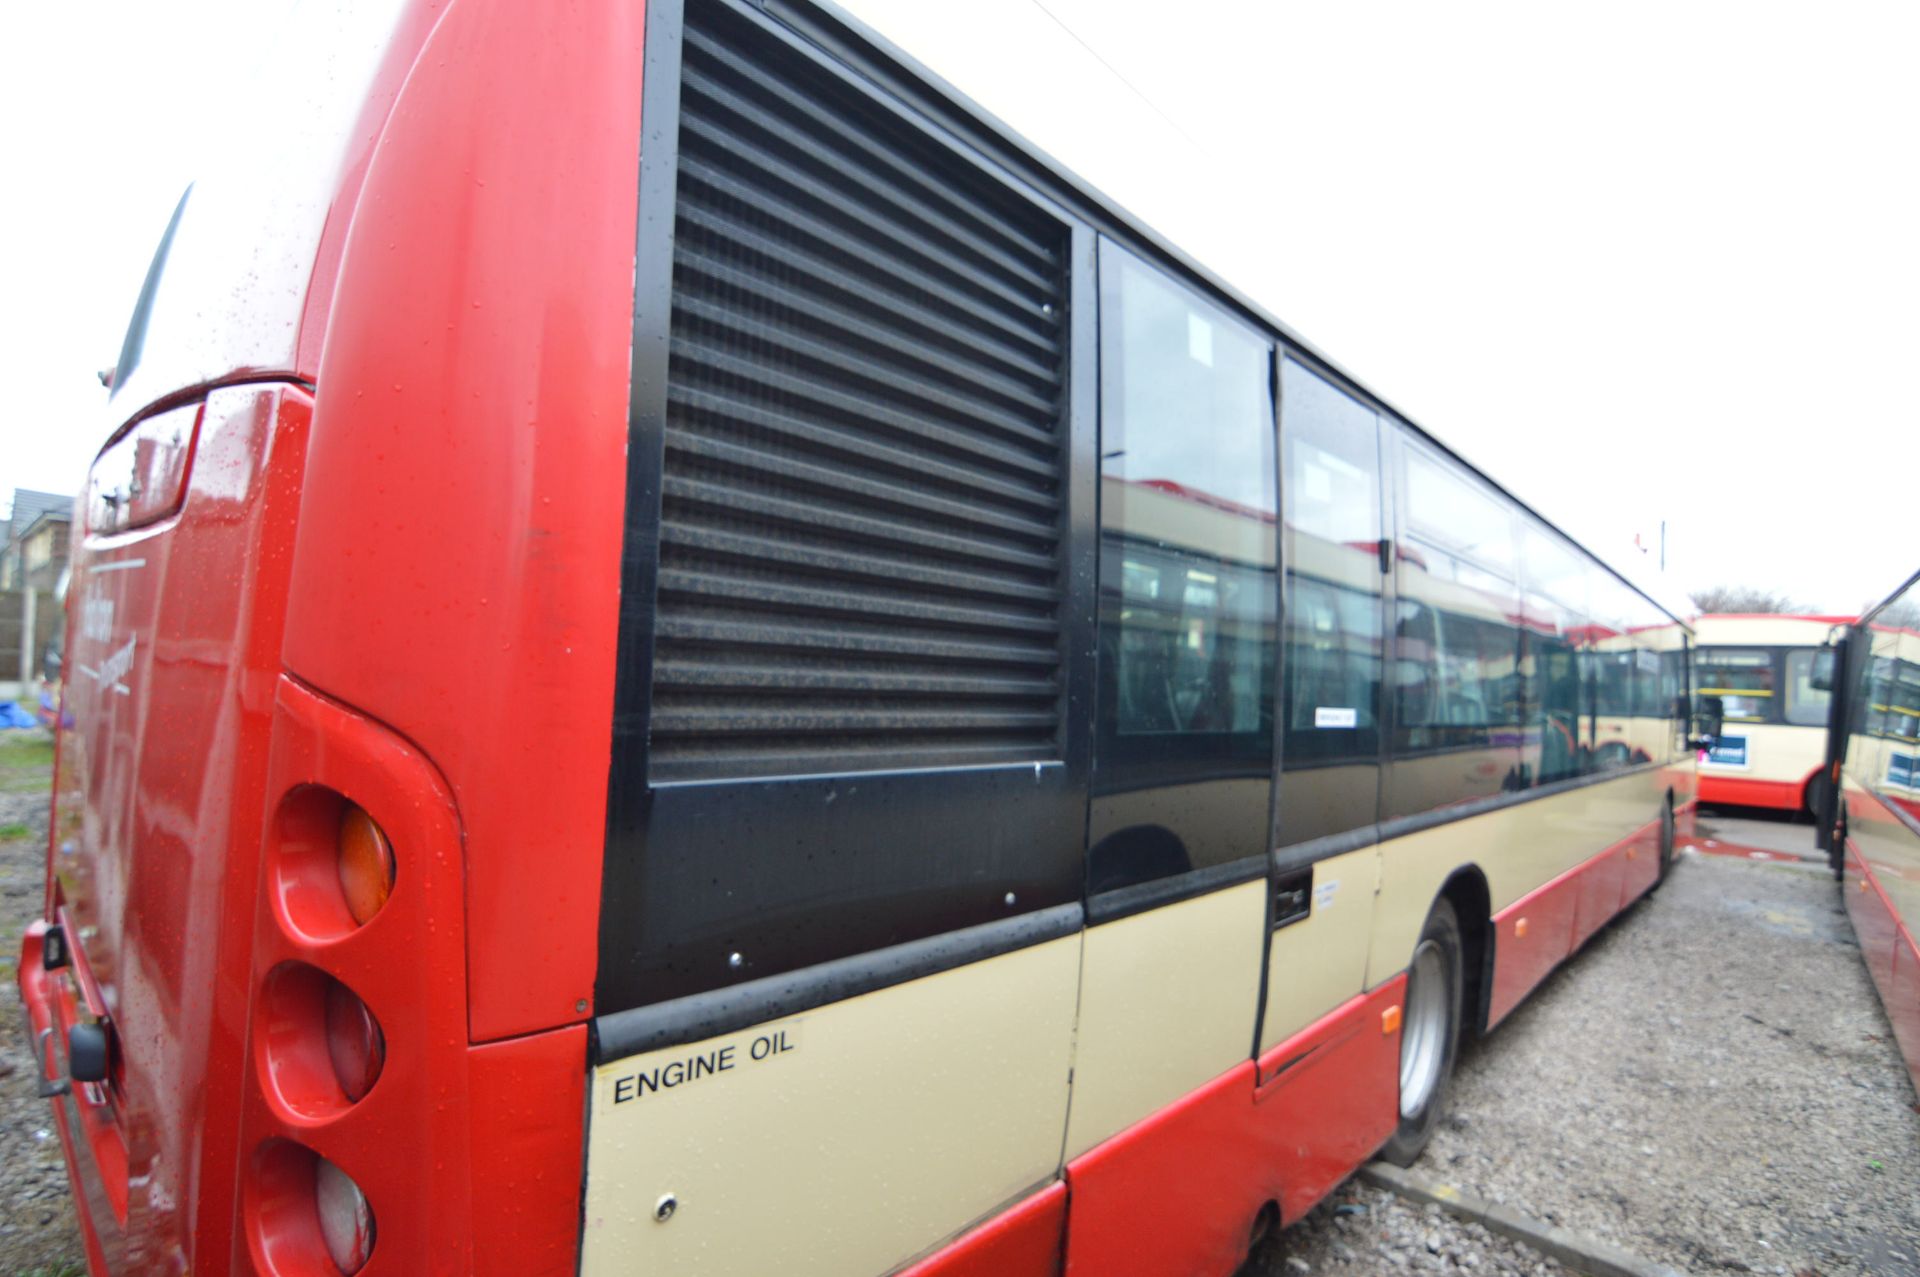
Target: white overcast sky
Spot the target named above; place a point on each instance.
(1641, 261)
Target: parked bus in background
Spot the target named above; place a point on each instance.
(1761, 667)
(685, 657)
(1873, 830)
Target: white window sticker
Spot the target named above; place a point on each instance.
(1341, 716)
(1199, 340)
(1324, 893)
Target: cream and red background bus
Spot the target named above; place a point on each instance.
(1773, 742)
(685, 657)
(1877, 819)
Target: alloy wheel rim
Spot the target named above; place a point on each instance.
(1423, 1039)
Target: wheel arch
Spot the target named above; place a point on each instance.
(1466, 890)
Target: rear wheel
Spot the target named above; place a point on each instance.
(1429, 1033)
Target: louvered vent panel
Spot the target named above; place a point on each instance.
(860, 559)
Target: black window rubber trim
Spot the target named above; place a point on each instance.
(1302, 855)
(704, 1015)
(1124, 902)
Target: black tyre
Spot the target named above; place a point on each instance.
(1668, 850)
(1429, 1033)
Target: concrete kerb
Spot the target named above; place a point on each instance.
(1582, 1254)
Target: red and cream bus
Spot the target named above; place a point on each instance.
(1770, 751)
(1875, 826)
(686, 658)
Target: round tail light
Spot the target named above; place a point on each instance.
(366, 864)
(355, 1043)
(346, 1221)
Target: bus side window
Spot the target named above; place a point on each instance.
(1556, 615)
(1806, 704)
(1743, 679)
(1330, 753)
(1187, 515)
(1457, 644)
(1610, 739)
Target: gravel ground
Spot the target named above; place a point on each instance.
(1362, 1231)
(38, 1234)
(1711, 1085)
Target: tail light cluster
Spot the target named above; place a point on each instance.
(355, 1127)
(320, 1048)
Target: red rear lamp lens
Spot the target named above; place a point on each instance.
(354, 1042)
(346, 1221)
(366, 864)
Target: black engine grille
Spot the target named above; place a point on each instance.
(861, 530)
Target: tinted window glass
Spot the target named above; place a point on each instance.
(1903, 702)
(1616, 670)
(1807, 705)
(1555, 612)
(1331, 699)
(1741, 677)
(1457, 681)
(1657, 671)
(1187, 515)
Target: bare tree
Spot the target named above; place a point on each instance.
(1744, 598)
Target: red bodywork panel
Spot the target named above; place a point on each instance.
(1536, 933)
(1889, 951)
(1642, 867)
(1179, 1191)
(1874, 924)
(527, 1153)
(1596, 890)
(406, 1143)
(40, 991)
(469, 596)
(174, 642)
(1330, 1096)
(1174, 1193)
(1903, 1001)
(1738, 791)
(441, 599)
(1023, 1241)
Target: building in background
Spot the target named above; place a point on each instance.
(36, 549)
(31, 562)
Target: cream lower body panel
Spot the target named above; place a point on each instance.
(1518, 849)
(1775, 752)
(840, 1142)
(1167, 1002)
(1319, 962)
(1888, 847)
